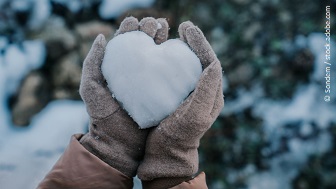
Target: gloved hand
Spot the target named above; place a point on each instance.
(171, 155)
(113, 136)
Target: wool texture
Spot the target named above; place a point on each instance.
(113, 135)
(171, 149)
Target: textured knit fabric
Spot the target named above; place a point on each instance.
(112, 150)
(77, 168)
(171, 150)
(113, 136)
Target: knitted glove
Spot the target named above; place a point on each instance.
(113, 136)
(171, 155)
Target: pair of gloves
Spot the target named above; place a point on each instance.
(162, 156)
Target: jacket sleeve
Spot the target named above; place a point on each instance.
(198, 182)
(77, 168)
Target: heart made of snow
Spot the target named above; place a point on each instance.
(148, 80)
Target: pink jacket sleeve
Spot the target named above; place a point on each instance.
(77, 168)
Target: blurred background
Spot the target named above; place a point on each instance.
(276, 130)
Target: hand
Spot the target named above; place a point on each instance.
(113, 136)
(171, 155)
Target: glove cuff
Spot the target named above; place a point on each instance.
(112, 157)
(117, 141)
(166, 157)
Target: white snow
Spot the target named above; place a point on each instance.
(27, 154)
(19, 60)
(73, 5)
(307, 106)
(41, 10)
(316, 42)
(4, 114)
(14, 65)
(285, 167)
(150, 81)
(304, 105)
(113, 8)
(40, 14)
(3, 42)
(244, 100)
(20, 5)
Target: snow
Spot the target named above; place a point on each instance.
(41, 10)
(306, 107)
(275, 115)
(244, 100)
(4, 114)
(285, 167)
(73, 5)
(307, 101)
(113, 8)
(150, 81)
(27, 154)
(3, 42)
(19, 60)
(14, 65)
(40, 14)
(20, 5)
(316, 42)
(303, 106)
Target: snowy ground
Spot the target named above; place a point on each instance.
(306, 107)
(28, 153)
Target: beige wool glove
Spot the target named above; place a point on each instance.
(171, 155)
(113, 136)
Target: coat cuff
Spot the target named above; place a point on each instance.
(198, 182)
(78, 168)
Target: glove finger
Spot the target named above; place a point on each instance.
(201, 47)
(219, 101)
(182, 29)
(94, 59)
(149, 25)
(93, 89)
(205, 93)
(193, 117)
(127, 25)
(162, 32)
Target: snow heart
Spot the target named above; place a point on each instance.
(149, 81)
